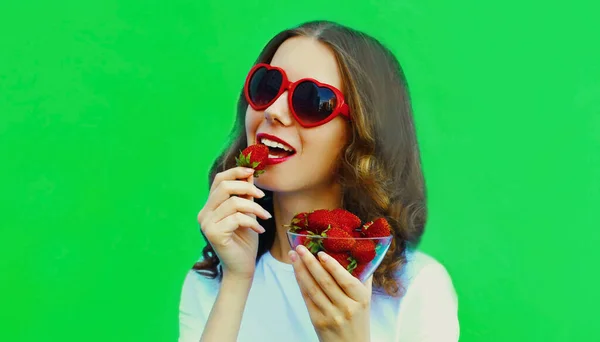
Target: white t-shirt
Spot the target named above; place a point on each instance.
(275, 310)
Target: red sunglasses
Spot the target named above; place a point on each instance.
(312, 103)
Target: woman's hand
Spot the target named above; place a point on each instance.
(229, 222)
(338, 303)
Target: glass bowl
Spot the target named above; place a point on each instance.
(360, 256)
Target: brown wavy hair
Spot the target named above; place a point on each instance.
(381, 170)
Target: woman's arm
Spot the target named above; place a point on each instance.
(223, 324)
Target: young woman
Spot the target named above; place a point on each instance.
(332, 104)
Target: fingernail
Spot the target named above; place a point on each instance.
(248, 170)
(268, 214)
(301, 250)
(323, 256)
(261, 193)
(293, 256)
(262, 229)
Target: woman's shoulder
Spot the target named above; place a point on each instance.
(422, 274)
(422, 269)
(199, 286)
(426, 307)
(198, 295)
(429, 303)
(419, 263)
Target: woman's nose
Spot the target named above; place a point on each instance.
(279, 111)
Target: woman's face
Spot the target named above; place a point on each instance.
(318, 150)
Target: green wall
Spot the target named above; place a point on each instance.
(112, 111)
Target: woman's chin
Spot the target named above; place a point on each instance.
(269, 185)
(274, 183)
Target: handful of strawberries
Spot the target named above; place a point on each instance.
(343, 236)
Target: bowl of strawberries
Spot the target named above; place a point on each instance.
(359, 247)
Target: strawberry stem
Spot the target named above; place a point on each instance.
(315, 246)
(353, 264)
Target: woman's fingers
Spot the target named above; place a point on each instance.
(238, 220)
(323, 277)
(239, 204)
(231, 174)
(231, 187)
(351, 286)
(310, 289)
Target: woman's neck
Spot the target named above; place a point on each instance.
(286, 205)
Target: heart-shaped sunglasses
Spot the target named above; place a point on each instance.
(312, 103)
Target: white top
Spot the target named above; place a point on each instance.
(275, 310)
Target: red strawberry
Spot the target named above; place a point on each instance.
(363, 251)
(299, 222)
(338, 240)
(378, 228)
(314, 243)
(303, 240)
(320, 220)
(364, 228)
(357, 234)
(346, 220)
(255, 157)
(360, 268)
(343, 258)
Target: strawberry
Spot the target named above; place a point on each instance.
(360, 268)
(346, 220)
(343, 258)
(337, 240)
(352, 265)
(378, 228)
(363, 251)
(255, 157)
(308, 239)
(364, 228)
(320, 220)
(357, 234)
(299, 221)
(303, 240)
(312, 242)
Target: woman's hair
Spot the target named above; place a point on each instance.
(380, 172)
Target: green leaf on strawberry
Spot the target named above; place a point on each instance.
(314, 246)
(324, 233)
(352, 265)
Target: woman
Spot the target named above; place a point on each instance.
(362, 156)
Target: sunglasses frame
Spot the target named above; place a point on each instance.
(341, 107)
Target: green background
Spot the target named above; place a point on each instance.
(112, 111)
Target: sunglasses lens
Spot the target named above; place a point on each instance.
(264, 86)
(313, 103)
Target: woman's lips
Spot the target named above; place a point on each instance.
(274, 141)
(272, 160)
(276, 145)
